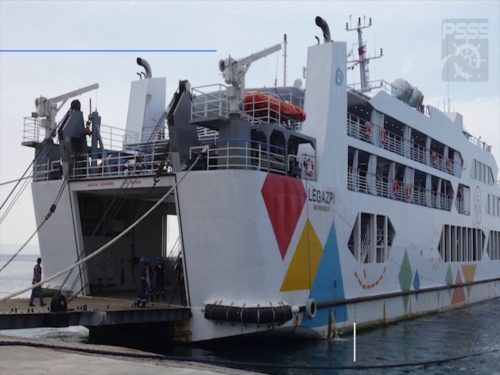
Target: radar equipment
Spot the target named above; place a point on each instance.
(234, 72)
(363, 60)
(48, 108)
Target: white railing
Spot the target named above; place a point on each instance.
(477, 142)
(252, 155)
(120, 165)
(114, 138)
(209, 102)
(42, 170)
(32, 130)
(460, 205)
(364, 130)
(394, 189)
(269, 108)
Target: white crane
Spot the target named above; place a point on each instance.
(48, 108)
(234, 72)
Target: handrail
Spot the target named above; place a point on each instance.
(140, 164)
(251, 155)
(364, 130)
(396, 190)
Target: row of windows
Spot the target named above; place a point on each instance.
(482, 172)
(494, 245)
(461, 244)
(493, 205)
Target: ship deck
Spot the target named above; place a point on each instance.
(89, 312)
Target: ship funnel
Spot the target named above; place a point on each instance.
(146, 66)
(324, 27)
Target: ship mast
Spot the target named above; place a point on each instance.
(362, 60)
(285, 42)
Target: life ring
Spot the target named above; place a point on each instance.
(434, 157)
(368, 128)
(383, 135)
(408, 191)
(309, 166)
(396, 188)
(311, 308)
(448, 164)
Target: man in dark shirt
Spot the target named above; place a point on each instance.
(159, 272)
(37, 277)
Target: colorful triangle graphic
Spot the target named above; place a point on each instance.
(458, 295)
(469, 272)
(305, 261)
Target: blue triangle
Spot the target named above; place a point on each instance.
(328, 284)
(416, 283)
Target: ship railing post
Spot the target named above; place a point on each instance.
(260, 156)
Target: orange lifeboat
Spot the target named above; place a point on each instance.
(259, 104)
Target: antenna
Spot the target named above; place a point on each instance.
(363, 60)
(285, 42)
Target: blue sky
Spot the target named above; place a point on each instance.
(409, 32)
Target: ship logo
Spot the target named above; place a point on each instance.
(339, 77)
(464, 50)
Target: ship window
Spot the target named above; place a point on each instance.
(493, 248)
(462, 201)
(371, 238)
(461, 244)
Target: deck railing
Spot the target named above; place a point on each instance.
(120, 165)
(364, 182)
(209, 103)
(253, 155)
(364, 130)
(113, 138)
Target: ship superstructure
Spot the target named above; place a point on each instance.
(299, 210)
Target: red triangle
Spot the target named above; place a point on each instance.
(284, 198)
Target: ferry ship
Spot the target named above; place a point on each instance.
(299, 211)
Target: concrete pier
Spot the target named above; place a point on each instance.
(75, 359)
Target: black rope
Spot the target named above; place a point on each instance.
(52, 209)
(241, 364)
(16, 180)
(17, 183)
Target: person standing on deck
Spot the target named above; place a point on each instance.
(159, 272)
(37, 277)
(145, 282)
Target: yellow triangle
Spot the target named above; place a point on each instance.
(305, 261)
(469, 271)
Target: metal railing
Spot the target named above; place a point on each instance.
(364, 130)
(268, 108)
(368, 183)
(253, 155)
(113, 138)
(32, 130)
(140, 164)
(461, 208)
(209, 102)
(477, 142)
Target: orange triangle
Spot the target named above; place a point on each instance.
(458, 295)
(305, 261)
